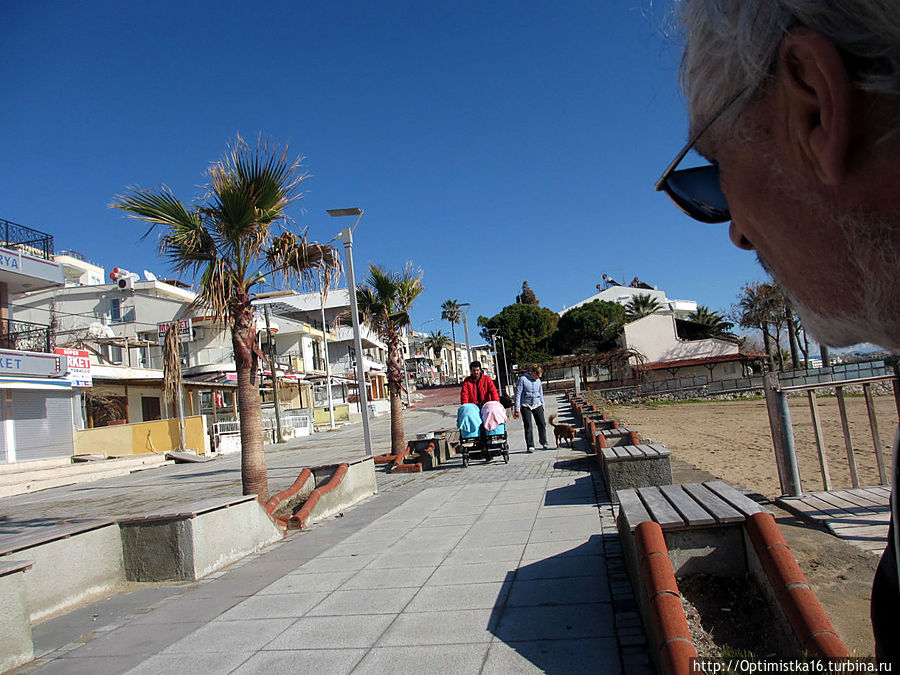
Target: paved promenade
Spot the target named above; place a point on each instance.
(491, 569)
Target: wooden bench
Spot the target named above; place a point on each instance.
(635, 466)
(698, 520)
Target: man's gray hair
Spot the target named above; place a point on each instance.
(731, 45)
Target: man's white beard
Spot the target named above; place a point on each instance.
(872, 274)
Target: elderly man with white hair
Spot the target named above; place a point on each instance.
(796, 104)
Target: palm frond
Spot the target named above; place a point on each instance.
(296, 260)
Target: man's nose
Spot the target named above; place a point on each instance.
(737, 237)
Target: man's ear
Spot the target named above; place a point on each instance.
(817, 96)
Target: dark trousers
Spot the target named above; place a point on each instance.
(538, 414)
(886, 605)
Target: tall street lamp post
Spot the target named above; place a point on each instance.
(466, 330)
(325, 350)
(347, 238)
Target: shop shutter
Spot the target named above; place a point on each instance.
(44, 424)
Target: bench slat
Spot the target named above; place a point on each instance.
(690, 510)
(46, 534)
(609, 454)
(634, 451)
(661, 449)
(739, 501)
(622, 451)
(632, 508)
(661, 510)
(721, 510)
(13, 566)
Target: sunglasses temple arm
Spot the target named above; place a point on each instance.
(660, 184)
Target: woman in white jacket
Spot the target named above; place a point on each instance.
(530, 402)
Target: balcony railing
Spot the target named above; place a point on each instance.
(26, 240)
(24, 336)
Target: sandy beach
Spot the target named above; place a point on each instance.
(732, 440)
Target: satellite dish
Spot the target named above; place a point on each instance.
(149, 276)
(100, 330)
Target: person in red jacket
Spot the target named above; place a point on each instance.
(478, 388)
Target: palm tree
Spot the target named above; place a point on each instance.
(452, 312)
(437, 342)
(384, 302)
(641, 305)
(715, 325)
(226, 239)
(759, 307)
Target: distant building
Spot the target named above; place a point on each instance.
(38, 405)
(623, 294)
(670, 349)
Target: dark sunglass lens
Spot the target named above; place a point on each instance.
(698, 192)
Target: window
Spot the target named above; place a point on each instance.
(150, 408)
(115, 310)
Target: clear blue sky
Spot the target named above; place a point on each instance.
(488, 142)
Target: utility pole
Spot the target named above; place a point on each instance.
(278, 437)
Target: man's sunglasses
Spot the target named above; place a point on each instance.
(697, 191)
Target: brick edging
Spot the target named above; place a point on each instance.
(670, 627)
(287, 493)
(300, 518)
(798, 601)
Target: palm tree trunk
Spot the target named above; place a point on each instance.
(395, 386)
(254, 480)
(792, 340)
(767, 343)
(455, 366)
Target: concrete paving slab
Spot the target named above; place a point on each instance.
(537, 592)
(331, 661)
(130, 640)
(587, 656)
(482, 526)
(444, 521)
(189, 664)
(470, 596)
(457, 658)
(547, 549)
(93, 665)
(333, 632)
(457, 626)
(344, 563)
(509, 552)
(556, 622)
(364, 601)
(417, 557)
(377, 578)
(219, 636)
(306, 582)
(494, 537)
(473, 573)
(286, 605)
(559, 567)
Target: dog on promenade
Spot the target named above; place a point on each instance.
(562, 432)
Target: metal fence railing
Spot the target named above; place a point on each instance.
(26, 240)
(289, 422)
(782, 428)
(25, 336)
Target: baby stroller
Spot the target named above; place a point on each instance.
(474, 438)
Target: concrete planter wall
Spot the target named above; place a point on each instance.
(197, 541)
(72, 568)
